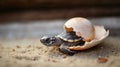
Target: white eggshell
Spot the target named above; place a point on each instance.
(82, 27)
(100, 35)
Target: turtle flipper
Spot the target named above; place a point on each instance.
(65, 50)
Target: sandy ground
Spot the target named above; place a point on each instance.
(31, 53)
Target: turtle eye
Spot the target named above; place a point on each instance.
(47, 40)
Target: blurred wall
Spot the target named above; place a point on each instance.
(56, 3)
(56, 9)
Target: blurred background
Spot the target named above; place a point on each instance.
(36, 18)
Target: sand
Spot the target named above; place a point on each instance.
(30, 52)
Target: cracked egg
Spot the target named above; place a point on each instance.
(91, 34)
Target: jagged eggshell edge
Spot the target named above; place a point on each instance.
(100, 35)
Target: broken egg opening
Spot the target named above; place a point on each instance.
(91, 34)
(83, 28)
(100, 35)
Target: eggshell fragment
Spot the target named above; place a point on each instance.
(100, 35)
(102, 60)
(82, 27)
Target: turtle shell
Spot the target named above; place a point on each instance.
(69, 37)
(82, 27)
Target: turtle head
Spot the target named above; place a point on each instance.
(50, 41)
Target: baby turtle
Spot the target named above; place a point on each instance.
(64, 40)
(79, 34)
